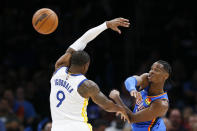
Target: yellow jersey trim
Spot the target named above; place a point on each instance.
(84, 113)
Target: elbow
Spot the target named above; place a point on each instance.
(56, 65)
(126, 81)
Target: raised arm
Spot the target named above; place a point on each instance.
(81, 43)
(157, 108)
(135, 81)
(131, 84)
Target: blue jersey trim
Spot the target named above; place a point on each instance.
(75, 74)
(82, 82)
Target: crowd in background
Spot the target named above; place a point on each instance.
(159, 30)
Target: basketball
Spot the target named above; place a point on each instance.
(45, 21)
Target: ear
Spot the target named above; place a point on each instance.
(166, 75)
(84, 67)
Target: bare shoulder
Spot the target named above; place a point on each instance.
(88, 88)
(161, 103)
(160, 106)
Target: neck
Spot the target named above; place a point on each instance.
(156, 89)
(74, 70)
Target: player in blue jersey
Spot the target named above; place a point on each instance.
(151, 100)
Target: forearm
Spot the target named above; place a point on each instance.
(142, 116)
(111, 107)
(81, 43)
(119, 101)
(64, 60)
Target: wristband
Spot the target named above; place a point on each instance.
(130, 83)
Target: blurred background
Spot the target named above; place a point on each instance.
(159, 29)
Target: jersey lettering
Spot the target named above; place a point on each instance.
(60, 82)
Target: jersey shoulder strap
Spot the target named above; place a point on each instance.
(163, 96)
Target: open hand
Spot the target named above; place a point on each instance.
(113, 24)
(123, 115)
(137, 95)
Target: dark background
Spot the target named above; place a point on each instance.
(159, 30)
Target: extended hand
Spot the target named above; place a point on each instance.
(123, 114)
(137, 95)
(113, 24)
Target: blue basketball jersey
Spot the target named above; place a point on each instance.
(156, 124)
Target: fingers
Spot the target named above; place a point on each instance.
(123, 22)
(123, 116)
(134, 93)
(139, 96)
(117, 30)
(113, 24)
(118, 113)
(123, 19)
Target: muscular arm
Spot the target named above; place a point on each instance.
(91, 89)
(157, 109)
(64, 60)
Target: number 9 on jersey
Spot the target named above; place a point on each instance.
(60, 96)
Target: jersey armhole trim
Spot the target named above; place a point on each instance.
(82, 82)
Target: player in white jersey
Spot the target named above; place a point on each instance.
(70, 89)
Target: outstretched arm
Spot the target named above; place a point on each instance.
(91, 89)
(81, 43)
(157, 108)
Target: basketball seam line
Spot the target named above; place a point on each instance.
(51, 25)
(44, 21)
(39, 16)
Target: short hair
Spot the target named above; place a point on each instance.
(79, 58)
(167, 67)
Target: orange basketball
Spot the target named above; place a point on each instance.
(45, 21)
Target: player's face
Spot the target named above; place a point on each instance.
(157, 73)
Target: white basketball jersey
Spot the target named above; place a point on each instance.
(65, 102)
